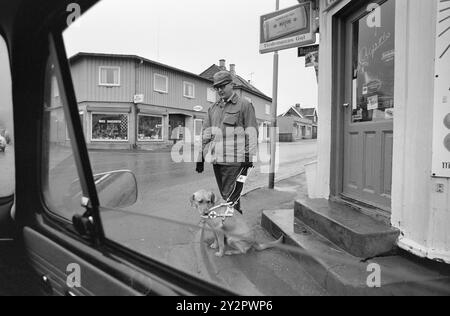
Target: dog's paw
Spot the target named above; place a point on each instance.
(214, 246)
(219, 254)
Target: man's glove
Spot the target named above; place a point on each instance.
(247, 163)
(201, 165)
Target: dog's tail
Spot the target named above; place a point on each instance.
(261, 247)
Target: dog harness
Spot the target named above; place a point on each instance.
(212, 214)
(232, 200)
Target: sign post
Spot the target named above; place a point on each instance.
(289, 28)
(273, 130)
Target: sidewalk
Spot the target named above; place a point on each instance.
(336, 271)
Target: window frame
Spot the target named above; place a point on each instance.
(154, 83)
(108, 140)
(185, 83)
(129, 267)
(102, 84)
(150, 141)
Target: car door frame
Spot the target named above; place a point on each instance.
(42, 24)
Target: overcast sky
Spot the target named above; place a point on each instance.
(193, 35)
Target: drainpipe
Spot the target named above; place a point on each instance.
(135, 106)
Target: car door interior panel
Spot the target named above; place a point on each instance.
(57, 268)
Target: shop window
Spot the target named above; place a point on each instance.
(189, 90)
(212, 95)
(109, 76)
(109, 127)
(161, 83)
(150, 128)
(373, 68)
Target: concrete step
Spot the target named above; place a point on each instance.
(340, 273)
(352, 231)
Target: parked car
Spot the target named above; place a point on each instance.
(4, 133)
(2, 144)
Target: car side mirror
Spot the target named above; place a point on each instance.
(115, 189)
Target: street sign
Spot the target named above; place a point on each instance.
(139, 98)
(441, 124)
(198, 108)
(305, 50)
(288, 28)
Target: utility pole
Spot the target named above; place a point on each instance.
(273, 130)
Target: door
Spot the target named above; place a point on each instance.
(177, 124)
(198, 129)
(369, 104)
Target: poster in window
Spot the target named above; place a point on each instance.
(374, 65)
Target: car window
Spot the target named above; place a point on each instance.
(7, 174)
(62, 188)
(144, 141)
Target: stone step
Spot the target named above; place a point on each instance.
(356, 233)
(340, 273)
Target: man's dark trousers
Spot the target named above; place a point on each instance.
(226, 177)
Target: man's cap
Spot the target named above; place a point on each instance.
(222, 78)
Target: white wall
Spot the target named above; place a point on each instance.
(419, 211)
(422, 214)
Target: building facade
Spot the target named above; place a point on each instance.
(383, 86)
(131, 102)
(297, 123)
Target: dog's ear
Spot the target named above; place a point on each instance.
(212, 198)
(192, 199)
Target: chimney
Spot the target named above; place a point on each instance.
(298, 106)
(233, 69)
(222, 64)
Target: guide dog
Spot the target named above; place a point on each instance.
(230, 231)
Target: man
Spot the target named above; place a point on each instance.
(230, 137)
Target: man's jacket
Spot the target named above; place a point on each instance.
(230, 134)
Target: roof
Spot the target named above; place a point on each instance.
(308, 111)
(81, 55)
(294, 110)
(239, 82)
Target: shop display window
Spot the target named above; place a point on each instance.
(109, 127)
(150, 128)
